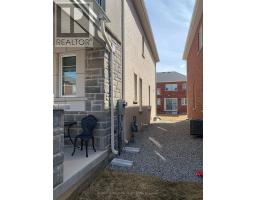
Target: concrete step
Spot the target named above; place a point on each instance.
(121, 162)
(131, 149)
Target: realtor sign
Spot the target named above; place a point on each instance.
(71, 24)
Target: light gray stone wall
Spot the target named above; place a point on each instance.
(58, 144)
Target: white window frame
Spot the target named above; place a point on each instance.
(140, 92)
(194, 95)
(165, 87)
(184, 101)
(158, 101)
(165, 104)
(149, 96)
(143, 47)
(158, 91)
(60, 73)
(135, 85)
(185, 86)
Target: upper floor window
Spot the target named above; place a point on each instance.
(149, 96)
(135, 88)
(171, 87)
(200, 38)
(158, 91)
(184, 86)
(140, 95)
(143, 47)
(101, 3)
(194, 95)
(68, 75)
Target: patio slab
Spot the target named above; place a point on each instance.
(76, 167)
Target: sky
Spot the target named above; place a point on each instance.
(170, 20)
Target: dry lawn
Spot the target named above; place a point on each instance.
(173, 118)
(112, 185)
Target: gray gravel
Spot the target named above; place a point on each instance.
(167, 151)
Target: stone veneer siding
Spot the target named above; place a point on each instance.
(58, 144)
(97, 92)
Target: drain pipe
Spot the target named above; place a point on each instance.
(123, 68)
(112, 51)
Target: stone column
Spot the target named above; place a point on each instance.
(58, 144)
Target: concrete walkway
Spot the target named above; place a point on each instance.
(167, 151)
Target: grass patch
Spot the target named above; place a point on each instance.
(112, 185)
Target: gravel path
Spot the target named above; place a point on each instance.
(167, 151)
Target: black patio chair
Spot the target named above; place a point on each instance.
(88, 124)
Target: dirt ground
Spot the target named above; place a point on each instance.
(113, 185)
(173, 118)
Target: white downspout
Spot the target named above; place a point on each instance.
(123, 68)
(112, 50)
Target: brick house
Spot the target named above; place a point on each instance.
(193, 54)
(121, 64)
(171, 93)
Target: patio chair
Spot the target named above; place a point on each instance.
(88, 124)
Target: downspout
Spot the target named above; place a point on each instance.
(123, 68)
(112, 51)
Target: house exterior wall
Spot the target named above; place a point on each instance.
(180, 93)
(143, 67)
(93, 78)
(113, 10)
(93, 95)
(195, 78)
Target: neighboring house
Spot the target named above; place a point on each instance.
(171, 93)
(121, 64)
(193, 54)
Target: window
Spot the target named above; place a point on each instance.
(184, 86)
(194, 95)
(158, 101)
(143, 46)
(68, 75)
(140, 94)
(170, 104)
(171, 87)
(149, 95)
(158, 91)
(183, 101)
(101, 3)
(200, 38)
(135, 88)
